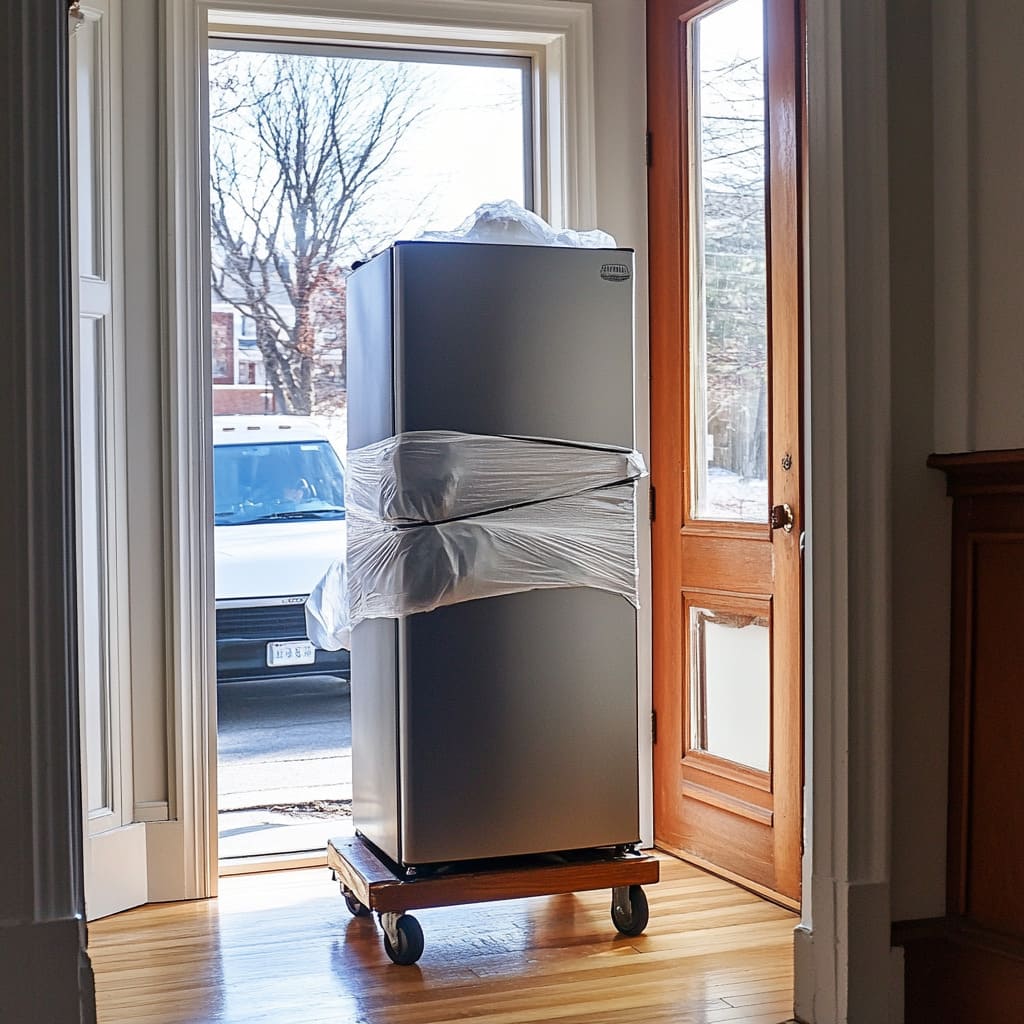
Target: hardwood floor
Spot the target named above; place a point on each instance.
(283, 948)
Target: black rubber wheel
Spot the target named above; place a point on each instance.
(633, 921)
(355, 907)
(410, 941)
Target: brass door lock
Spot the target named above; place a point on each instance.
(781, 517)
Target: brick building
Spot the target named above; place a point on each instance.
(239, 379)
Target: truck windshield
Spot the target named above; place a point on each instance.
(293, 480)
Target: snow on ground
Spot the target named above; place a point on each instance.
(734, 498)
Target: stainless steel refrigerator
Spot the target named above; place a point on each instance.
(507, 725)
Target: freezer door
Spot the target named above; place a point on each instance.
(508, 339)
(518, 727)
(374, 703)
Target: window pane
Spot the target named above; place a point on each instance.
(729, 283)
(320, 156)
(730, 677)
(323, 156)
(467, 148)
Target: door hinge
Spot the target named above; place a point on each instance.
(803, 831)
(652, 503)
(654, 726)
(647, 149)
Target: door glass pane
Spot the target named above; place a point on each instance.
(729, 348)
(730, 679)
(94, 679)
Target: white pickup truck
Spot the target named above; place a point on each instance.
(279, 523)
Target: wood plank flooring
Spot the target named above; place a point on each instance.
(283, 948)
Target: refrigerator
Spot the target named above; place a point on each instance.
(508, 725)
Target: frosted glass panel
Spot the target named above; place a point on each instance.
(730, 681)
(729, 294)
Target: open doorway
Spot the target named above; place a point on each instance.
(320, 156)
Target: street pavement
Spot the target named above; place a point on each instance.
(284, 775)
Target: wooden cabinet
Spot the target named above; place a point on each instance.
(969, 966)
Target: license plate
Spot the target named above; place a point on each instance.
(290, 652)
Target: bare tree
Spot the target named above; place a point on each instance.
(732, 141)
(328, 309)
(298, 143)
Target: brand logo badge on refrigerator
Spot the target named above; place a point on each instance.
(615, 272)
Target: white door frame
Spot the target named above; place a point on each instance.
(843, 945)
(187, 431)
(560, 34)
(845, 968)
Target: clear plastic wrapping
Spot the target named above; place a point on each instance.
(430, 476)
(437, 517)
(509, 223)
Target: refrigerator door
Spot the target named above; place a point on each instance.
(518, 726)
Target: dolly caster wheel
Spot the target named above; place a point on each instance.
(355, 907)
(403, 938)
(630, 912)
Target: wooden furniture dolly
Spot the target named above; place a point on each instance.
(372, 884)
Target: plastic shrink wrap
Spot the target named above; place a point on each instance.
(438, 517)
(509, 223)
(433, 475)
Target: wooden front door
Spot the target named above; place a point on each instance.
(725, 125)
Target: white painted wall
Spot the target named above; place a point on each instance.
(920, 519)
(979, 258)
(996, 108)
(957, 124)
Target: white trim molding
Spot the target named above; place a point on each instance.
(187, 421)
(844, 966)
(559, 36)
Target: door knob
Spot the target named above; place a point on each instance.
(781, 518)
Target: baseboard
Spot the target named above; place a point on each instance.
(172, 868)
(115, 871)
(45, 973)
(804, 975)
(846, 968)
